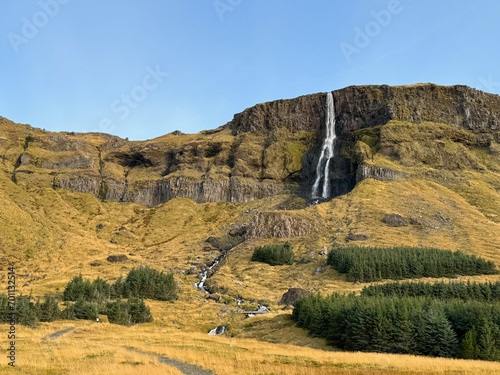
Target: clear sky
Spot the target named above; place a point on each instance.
(140, 69)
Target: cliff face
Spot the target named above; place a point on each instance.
(269, 149)
(366, 106)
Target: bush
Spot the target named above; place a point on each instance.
(48, 311)
(274, 255)
(26, 312)
(68, 313)
(366, 264)
(96, 291)
(85, 310)
(127, 313)
(149, 283)
(118, 313)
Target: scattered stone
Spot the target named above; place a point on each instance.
(357, 237)
(442, 219)
(117, 258)
(192, 271)
(318, 270)
(99, 227)
(324, 251)
(26, 284)
(95, 264)
(177, 132)
(395, 220)
(293, 295)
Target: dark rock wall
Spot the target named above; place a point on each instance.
(268, 149)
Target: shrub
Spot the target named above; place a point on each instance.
(85, 310)
(274, 255)
(48, 311)
(26, 312)
(149, 283)
(127, 313)
(95, 291)
(118, 313)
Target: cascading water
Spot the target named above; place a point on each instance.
(199, 285)
(322, 168)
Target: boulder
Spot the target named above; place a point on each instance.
(357, 237)
(395, 220)
(293, 295)
(117, 258)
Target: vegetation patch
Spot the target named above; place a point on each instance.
(274, 255)
(95, 297)
(366, 264)
(404, 325)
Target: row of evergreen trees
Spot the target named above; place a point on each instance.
(274, 255)
(95, 297)
(441, 290)
(366, 264)
(143, 282)
(406, 325)
(29, 313)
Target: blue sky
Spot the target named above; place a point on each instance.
(140, 69)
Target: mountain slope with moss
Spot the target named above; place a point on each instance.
(418, 166)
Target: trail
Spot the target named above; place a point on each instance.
(183, 367)
(57, 334)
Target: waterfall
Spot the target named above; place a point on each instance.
(323, 165)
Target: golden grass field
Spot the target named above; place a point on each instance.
(100, 349)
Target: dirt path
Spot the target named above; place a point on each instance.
(183, 367)
(55, 335)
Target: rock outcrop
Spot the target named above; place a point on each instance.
(292, 295)
(278, 224)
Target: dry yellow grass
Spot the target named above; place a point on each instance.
(97, 349)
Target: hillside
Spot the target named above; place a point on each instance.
(414, 165)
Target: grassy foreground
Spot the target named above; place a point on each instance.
(100, 348)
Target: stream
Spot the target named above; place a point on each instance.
(200, 285)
